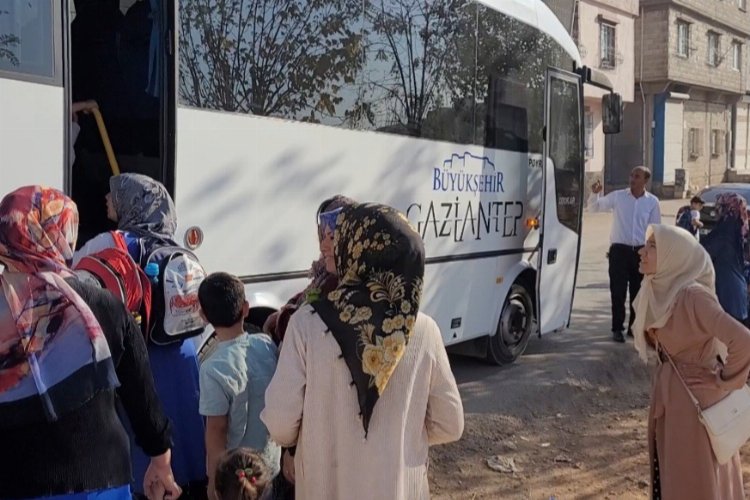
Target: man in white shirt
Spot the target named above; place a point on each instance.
(634, 209)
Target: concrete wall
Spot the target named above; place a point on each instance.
(596, 162)
(625, 150)
(742, 137)
(658, 27)
(695, 69)
(704, 112)
(725, 12)
(673, 138)
(652, 34)
(622, 14)
(713, 90)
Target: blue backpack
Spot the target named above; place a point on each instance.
(685, 221)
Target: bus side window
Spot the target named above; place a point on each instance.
(507, 125)
(27, 43)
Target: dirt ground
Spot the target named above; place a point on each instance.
(581, 434)
(568, 419)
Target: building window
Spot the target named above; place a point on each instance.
(607, 44)
(589, 137)
(718, 146)
(695, 142)
(736, 56)
(742, 4)
(714, 49)
(683, 38)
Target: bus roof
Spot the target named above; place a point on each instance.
(536, 13)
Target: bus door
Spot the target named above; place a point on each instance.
(560, 236)
(33, 105)
(122, 57)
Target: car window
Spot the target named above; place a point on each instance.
(710, 194)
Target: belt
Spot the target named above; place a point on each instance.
(634, 248)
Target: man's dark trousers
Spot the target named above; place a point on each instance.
(623, 275)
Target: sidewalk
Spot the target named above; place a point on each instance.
(670, 207)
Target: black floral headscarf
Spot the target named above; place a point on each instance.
(371, 314)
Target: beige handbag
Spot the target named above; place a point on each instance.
(727, 422)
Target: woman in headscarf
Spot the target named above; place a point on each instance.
(143, 208)
(726, 246)
(68, 351)
(363, 385)
(323, 279)
(678, 314)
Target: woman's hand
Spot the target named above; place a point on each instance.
(287, 466)
(158, 482)
(269, 326)
(82, 107)
(651, 336)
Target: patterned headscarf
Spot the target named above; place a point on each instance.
(56, 335)
(733, 206)
(143, 206)
(371, 314)
(727, 238)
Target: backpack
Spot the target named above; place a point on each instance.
(685, 221)
(114, 270)
(175, 309)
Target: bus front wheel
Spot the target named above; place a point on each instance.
(514, 328)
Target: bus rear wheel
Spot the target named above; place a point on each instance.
(514, 328)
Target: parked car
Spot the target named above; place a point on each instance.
(709, 195)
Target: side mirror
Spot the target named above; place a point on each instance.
(612, 113)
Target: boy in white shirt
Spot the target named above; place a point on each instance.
(696, 205)
(690, 220)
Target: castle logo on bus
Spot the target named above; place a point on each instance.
(462, 220)
(459, 174)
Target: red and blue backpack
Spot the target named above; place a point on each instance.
(165, 303)
(115, 270)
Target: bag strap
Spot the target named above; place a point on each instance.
(690, 393)
(119, 240)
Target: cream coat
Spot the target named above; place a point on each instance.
(310, 403)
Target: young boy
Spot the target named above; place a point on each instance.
(233, 379)
(690, 220)
(696, 205)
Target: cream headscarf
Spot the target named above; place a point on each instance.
(681, 262)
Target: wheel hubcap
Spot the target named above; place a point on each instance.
(514, 321)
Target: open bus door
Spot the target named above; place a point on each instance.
(560, 236)
(122, 57)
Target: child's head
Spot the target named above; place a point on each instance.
(241, 474)
(696, 203)
(222, 299)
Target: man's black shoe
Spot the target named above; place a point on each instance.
(630, 333)
(617, 337)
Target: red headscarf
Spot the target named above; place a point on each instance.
(56, 333)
